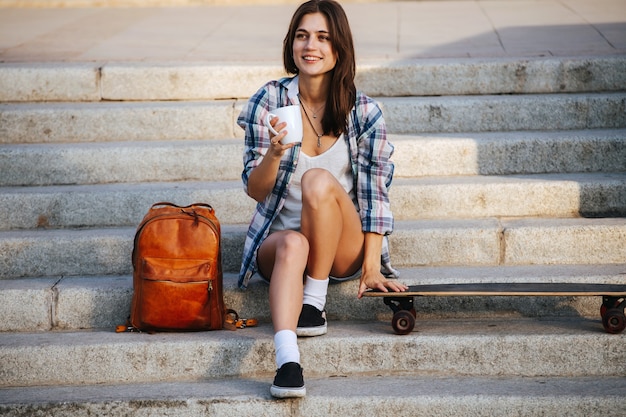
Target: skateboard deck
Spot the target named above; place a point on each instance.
(401, 303)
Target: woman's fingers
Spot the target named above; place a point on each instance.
(362, 289)
(383, 286)
(396, 286)
(279, 127)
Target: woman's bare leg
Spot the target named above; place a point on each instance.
(331, 225)
(282, 257)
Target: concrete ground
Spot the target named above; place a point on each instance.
(383, 31)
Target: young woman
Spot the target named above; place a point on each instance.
(323, 211)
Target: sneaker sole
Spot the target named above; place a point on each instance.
(312, 331)
(287, 392)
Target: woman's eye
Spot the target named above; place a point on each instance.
(301, 36)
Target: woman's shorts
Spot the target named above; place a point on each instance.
(333, 280)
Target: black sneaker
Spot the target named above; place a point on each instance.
(312, 322)
(288, 382)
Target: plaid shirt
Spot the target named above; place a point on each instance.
(369, 156)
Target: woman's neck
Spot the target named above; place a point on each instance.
(314, 90)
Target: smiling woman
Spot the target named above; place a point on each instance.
(323, 211)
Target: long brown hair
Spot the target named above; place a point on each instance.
(342, 93)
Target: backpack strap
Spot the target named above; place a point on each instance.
(233, 322)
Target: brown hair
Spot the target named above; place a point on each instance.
(342, 93)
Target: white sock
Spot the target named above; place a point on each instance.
(315, 291)
(286, 343)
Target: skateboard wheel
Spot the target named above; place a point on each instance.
(614, 321)
(403, 322)
(608, 304)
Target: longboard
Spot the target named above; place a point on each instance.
(401, 303)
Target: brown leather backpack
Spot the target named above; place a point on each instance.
(177, 270)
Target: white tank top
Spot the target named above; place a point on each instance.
(336, 160)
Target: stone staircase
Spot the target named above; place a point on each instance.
(507, 170)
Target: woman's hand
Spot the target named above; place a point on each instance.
(371, 277)
(277, 149)
(375, 280)
(262, 178)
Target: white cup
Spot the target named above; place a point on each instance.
(292, 116)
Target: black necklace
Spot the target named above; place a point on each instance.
(319, 135)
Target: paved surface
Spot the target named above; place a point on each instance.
(254, 33)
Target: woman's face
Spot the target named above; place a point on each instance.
(313, 51)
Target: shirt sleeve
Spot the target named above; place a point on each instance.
(257, 139)
(375, 169)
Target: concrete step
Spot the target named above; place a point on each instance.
(113, 162)
(196, 120)
(117, 121)
(141, 81)
(548, 195)
(112, 205)
(458, 242)
(505, 113)
(102, 302)
(218, 160)
(505, 153)
(568, 347)
(336, 395)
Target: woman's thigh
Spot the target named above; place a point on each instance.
(349, 256)
(349, 253)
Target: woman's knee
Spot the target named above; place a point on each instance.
(292, 245)
(286, 250)
(317, 183)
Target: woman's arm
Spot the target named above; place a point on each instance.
(371, 277)
(263, 177)
(263, 151)
(375, 173)
(260, 163)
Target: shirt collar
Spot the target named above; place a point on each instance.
(293, 90)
